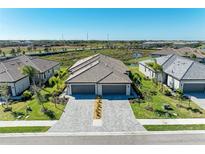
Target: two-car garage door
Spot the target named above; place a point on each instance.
(83, 89)
(106, 89)
(194, 87)
(113, 89)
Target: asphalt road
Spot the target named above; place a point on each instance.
(105, 139)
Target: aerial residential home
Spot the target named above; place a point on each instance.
(195, 54)
(178, 73)
(11, 72)
(99, 75)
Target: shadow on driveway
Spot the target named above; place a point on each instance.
(108, 97)
(198, 98)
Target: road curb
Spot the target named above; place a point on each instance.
(102, 133)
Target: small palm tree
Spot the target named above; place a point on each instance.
(40, 98)
(31, 72)
(13, 52)
(1, 52)
(157, 68)
(180, 94)
(5, 93)
(18, 50)
(4, 54)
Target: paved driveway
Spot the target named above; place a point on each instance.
(198, 98)
(117, 116)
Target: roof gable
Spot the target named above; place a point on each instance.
(98, 68)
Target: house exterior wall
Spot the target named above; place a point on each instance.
(173, 83)
(47, 74)
(151, 74)
(18, 87)
(146, 71)
(21, 85)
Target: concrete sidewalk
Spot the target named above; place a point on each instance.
(27, 123)
(171, 121)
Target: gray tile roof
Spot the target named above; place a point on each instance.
(196, 71)
(10, 70)
(186, 51)
(180, 67)
(98, 69)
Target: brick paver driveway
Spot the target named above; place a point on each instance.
(117, 116)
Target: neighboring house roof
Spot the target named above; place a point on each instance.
(10, 70)
(186, 52)
(98, 69)
(180, 67)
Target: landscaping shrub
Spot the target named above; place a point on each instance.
(47, 96)
(167, 92)
(28, 109)
(50, 114)
(136, 89)
(52, 81)
(58, 100)
(149, 108)
(27, 95)
(153, 92)
(17, 114)
(62, 74)
(167, 107)
(98, 109)
(165, 113)
(8, 109)
(195, 110)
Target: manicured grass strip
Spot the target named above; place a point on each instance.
(174, 127)
(26, 129)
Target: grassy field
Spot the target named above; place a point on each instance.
(157, 101)
(27, 129)
(7, 50)
(173, 127)
(68, 59)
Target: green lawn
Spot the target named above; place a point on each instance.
(35, 114)
(27, 129)
(157, 102)
(174, 127)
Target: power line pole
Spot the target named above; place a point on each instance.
(87, 36)
(108, 44)
(63, 39)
